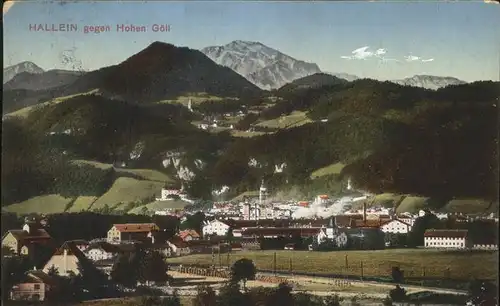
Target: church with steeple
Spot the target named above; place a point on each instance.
(333, 234)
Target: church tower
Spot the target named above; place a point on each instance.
(262, 193)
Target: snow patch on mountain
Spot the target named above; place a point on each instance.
(10, 72)
(345, 76)
(263, 66)
(429, 81)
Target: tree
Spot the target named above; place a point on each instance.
(282, 295)
(243, 270)
(387, 301)
(194, 221)
(230, 295)
(398, 294)
(416, 235)
(229, 236)
(153, 268)
(53, 271)
(92, 279)
(124, 271)
(397, 275)
(205, 296)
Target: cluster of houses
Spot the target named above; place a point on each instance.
(217, 235)
(65, 259)
(340, 229)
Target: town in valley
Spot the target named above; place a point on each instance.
(249, 154)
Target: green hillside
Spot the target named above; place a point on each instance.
(128, 190)
(46, 204)
(431, 146)
(158, 205)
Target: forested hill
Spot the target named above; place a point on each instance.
(391, 138)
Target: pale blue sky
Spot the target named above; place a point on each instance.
(462, 38)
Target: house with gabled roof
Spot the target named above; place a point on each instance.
(188, 235)
(131, 231)
(20, 241)
(66, 260)
(34, 286)
(102, 251)
(395, 226)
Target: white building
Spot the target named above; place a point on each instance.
(448, 239)
(332, 233)
(215, 227)
(396, 226)
(101, 251)
(167, 193)
(407, 219)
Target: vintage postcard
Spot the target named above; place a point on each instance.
(250, 153)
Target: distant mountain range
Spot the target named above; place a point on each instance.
(10, 72)
(429, 81)
(163, 71)
(43, 80)
(263, 66)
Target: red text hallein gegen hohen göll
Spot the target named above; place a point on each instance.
(71, 27)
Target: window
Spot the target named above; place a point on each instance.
(37, 286)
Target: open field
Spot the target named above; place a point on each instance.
(470, 206)
(236, 133)
(294, 119)
(82, 203)
(328, 170)
(158, 205)
(45, 204)
(145, 174)
(128, 190)
(415, 262)
(23, 112)
(92, 163)
(413, 204)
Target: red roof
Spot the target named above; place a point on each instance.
(237, 224)
(136, 227)
(186, 233)
(276, 231)
(447, 233)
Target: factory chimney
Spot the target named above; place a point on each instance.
(364, 212)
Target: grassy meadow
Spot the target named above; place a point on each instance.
(294, 119)
(328, 170)
(415, 262)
